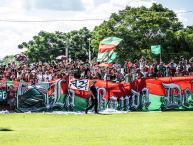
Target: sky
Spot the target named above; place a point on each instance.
(13, 34)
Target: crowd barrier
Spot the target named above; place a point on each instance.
(71, 94)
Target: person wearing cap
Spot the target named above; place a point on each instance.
(172, 61)
(93, 95)
(173, 69)
(180, 65)
(168, 72)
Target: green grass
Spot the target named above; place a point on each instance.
(131, 128)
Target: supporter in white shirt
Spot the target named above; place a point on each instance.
(144, 73)
(47, 77)
(142, 61)
(40, 77)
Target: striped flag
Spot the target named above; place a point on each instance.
(108, 44)
(106, 53)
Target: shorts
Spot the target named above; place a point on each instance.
(11, 101)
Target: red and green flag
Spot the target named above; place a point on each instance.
(106, 53)
(108, 44)
(107, 57)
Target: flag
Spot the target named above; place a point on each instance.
(103, 57)
(156, 49)
(107, 57)
(112, 59)
(105, 65)
(108, 44)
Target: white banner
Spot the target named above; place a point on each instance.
(78, 84)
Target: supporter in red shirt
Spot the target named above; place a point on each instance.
(173, 69)
(11, 91)
(148, 66)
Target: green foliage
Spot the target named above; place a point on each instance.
(140, 28)
(47, 46)
(9, 59)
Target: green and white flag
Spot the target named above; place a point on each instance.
(107, 57)
(103, 57)
(106, 53)
(112, 59)
(156, 49)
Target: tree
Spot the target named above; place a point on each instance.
(9, 59)
(47, 46)
(140, 28)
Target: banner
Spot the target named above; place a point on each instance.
(147, 94)
(3, 88)
(156, 49)
(78, 84)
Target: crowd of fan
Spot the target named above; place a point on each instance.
(37, 73)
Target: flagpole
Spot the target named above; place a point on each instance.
(160, 55)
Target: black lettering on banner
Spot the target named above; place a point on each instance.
(81, 84)
(75, 83)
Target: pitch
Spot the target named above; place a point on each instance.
(128, 128)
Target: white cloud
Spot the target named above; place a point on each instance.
(180, 15)
(12, 34)
(56, 5)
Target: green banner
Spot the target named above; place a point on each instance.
(156, 49)
(2, 95)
